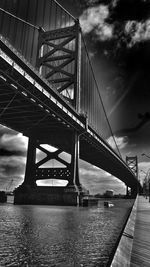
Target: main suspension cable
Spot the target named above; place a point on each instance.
(22, 20)
(65, 10)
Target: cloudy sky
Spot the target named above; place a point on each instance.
(117, 33)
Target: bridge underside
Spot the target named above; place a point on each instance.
(89, 150)
(32, 111)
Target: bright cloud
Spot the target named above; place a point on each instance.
(92, 2)
(11, 142)
(121, 141)
(12, 167)
(144, 170)
(144, 167)
(94, 19)
(97, 180)
(114, 3)
(138, 31)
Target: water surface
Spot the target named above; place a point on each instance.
(59, 236)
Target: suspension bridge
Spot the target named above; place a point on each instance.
(49, 93)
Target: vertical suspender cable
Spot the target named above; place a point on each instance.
(101, 98)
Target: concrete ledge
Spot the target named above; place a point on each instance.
(123, 253)
(45, 196)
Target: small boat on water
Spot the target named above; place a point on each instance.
(108, 204)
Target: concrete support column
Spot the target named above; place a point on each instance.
(75, 161)
(127, 191)
(30, 164)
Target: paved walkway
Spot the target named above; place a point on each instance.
(140, 255)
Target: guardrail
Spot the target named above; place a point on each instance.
(122, 255)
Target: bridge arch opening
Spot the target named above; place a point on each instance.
(52, 182)
(41, 154)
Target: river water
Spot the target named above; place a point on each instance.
(59, 236)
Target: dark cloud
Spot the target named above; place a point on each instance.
(143, 119)
(12, 165)
(6, 153)
(131, 10)
(122, 66)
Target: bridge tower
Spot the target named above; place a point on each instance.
(132, 163)
(58, 61)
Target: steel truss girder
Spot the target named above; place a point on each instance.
(56, 62)
(132, 163)
(52, 173)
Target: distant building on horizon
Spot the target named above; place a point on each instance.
(109, 193)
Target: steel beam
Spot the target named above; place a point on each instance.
(132, 163)
(30, 164)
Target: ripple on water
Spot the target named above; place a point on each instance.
(59, 236)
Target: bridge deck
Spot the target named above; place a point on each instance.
(140, 255)
(29, 105)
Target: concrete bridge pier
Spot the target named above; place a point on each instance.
(30, 193)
